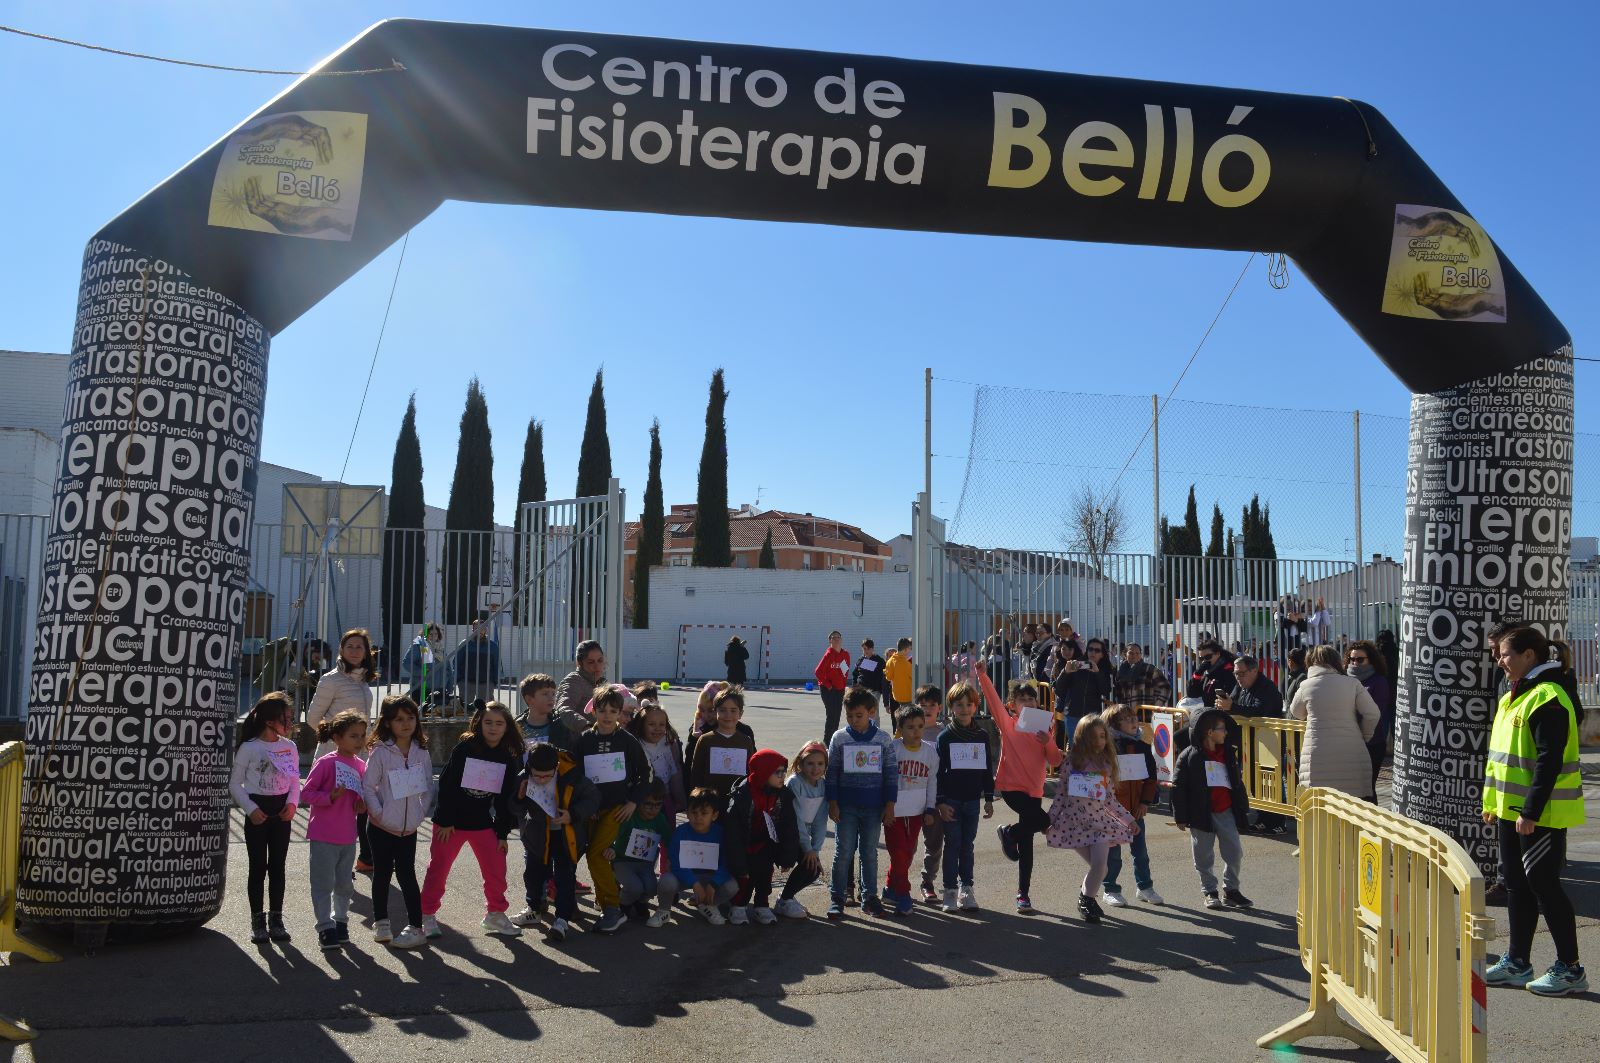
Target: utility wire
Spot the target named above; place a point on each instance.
(396, 66)
(375, 349)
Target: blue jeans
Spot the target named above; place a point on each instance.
(857, 831)
(959, 836)
(1141, 863)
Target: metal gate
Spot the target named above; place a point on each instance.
(571, 552)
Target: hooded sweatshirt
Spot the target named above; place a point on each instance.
(575, 794)
(811, 812)
(965, 771)
(1192, 799)
(385, 765)
(1024, 756)
(616, 764)
(333, 819)
(897, 670)
(863, 771)
(475, 809)
(760, 818)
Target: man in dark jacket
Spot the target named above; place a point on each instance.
(1254, 695)
(1209, 801)
(477, 665)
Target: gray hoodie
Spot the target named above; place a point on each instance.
(397, 815)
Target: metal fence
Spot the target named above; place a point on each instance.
(553, 581)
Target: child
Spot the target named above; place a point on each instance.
(705, 718)
(930, 699)
(897, 672)
(1086, 817)
(964, 776)
(863, 779)
(1025, 759)
(1209, 801)
(662, 748)
(474, 808)
(722, 756)
(811, 821)
(333, 793)
(760, 834)
(634, 853)
(913, 804)
(615, 762)
(540, 722)
(265, 784)
(556, 806)
(698, 866)
(1136, 788)
(398, 790)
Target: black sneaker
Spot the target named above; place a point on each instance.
(1007, 845)
(1089, 908)
(342, 930)
(1495, 896)
(275, 928)
(258, 929)
(328, 938)
(1235, 899)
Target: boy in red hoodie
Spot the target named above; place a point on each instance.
(760, 833)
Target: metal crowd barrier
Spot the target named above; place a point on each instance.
(1271, 754)
(10, 859)
(1392, 932)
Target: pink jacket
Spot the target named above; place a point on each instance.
(332, 821)
(1023, 757)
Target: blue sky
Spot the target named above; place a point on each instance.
(824, 332)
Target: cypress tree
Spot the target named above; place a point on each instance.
(404, 549)
(1214, 547)
(769, 557)
(594, 457)
(1191, 526)
(531, 487)
(469, 520)
(713, 538)
(652, 526)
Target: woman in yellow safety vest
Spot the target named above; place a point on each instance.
(1533, 790)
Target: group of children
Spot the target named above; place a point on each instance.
(605, 788)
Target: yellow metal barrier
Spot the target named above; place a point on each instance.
(1391, 930)
(10, 857)
(1270, 753)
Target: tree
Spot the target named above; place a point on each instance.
(404, 549)
(1095, 525)
(713, 538)
(1215, 546)
(1221, 570)
(652, 529)
(1191, 526)
(769, 557)
(594, 456)
(469, 520)
(531, 487)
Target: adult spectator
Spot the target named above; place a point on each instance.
(1138, 682)
(477, 666)
(1030, 635)
(347, 685)
(1254, 695)
(734, 658)
(277, 665)
(1319, 625)
(1213, 671)
(1341, 718)
(833, 675)
(1291, 623)
(997, 660)
(579, 686)
(868, 671)
(1082, 683)
(1296, 673)
(425, 666)
(1364, 661)
(1389, 650)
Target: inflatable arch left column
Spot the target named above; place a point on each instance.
(131, 707)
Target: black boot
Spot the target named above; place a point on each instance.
(258, 929)
(1089, 908)
(275, 928)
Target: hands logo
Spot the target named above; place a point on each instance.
(295, 174)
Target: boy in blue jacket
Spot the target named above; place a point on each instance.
(863, 781)
(698, 863)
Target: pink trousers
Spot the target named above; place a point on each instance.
(491, 861)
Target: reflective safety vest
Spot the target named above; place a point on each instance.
(1513, 756)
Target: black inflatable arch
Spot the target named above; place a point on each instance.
(140, 620)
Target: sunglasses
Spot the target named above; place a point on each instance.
(1358, 660)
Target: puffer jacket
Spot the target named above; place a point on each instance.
(337, 691)
(1341, 718)
(576, 794)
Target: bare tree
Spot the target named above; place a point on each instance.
(1093, 524)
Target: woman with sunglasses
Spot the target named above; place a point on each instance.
(1083, 682)
(1365, 661)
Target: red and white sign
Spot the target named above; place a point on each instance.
(1161, 745)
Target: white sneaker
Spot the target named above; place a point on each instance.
(659, 918)
(709, 913)
(1213, 901)
(1115, 899)
(381, 932)
(764, 916)
(557, 932)
(430, 927)
(409, 938)
(949, 904)
(1150, 896)
(967, 901)
(791, 908)
(529, 916)
(499, 923)
(739, 915)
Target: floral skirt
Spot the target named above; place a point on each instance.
(1079, 821)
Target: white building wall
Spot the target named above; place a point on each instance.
(800, 608)
(27, 470)
(35, 392)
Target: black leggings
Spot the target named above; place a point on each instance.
(1031, 819)
(800, 878)
(1532, 865)
(267, 846)
(363, 850)
(755, 887)
(832, 706)
(397, 856)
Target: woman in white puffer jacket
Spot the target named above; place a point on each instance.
(1340, 717)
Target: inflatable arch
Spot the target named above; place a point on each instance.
(129, 713)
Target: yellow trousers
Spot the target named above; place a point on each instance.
(602, 834)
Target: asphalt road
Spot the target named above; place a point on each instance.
(1149, 984)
